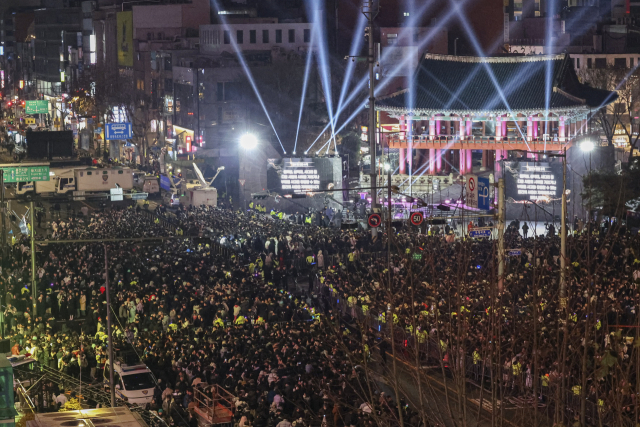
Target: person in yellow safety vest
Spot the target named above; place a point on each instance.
(351, 256)
(396, 319)
(382, 318)
(307, 219)
(280, 215)
(272, 213)
(309, 260)
(545, 380)
(443, 346)
(179, 231)
(365, 309)
(259, 321)
(423, 336)
(407, 251)
(260, 263)
(574, 318)
(240, 320)
(600, 405)
(351, 301)
(252, 267)
(516, 368)
(251, 205)
(218, 322)
(173, 326)
(13, 240)
(156, 221)
(577, 390)
(409, 329)
(598, 325)
(476, 357)
(346, 331)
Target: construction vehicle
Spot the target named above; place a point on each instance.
(204, 194)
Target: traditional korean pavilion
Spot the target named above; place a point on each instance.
(457, 104)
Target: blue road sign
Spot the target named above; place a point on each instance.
(165, 183)
(118, 131)
(480, 232)
(484, 195)
(514, 252)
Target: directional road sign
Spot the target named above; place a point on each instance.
(118, 131)
(514, 252)
(25, 173)
(480, 232)
(39, 106)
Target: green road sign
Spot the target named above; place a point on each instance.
(25, 173)
(40, 106)
(417, 256)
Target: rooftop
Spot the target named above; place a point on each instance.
(465, 85)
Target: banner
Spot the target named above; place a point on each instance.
(124, 38)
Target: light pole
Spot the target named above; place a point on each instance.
(370, 11)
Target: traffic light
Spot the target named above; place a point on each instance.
(9, 104)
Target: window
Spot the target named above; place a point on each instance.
(252, 36)
(589, 63)
(630, 62)
(406, 14)
(392, 39)
(227, 37)
(577, 62)
(292, 36)
(620, 62)
(265, 36)
(601, 62)
(239, 36)
(278, 36)
(232, 91)
(220, 92)
(307, 35)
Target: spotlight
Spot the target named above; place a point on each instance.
(248, 141)
(587, 146)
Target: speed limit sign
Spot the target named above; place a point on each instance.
(374, 220)
(416, 218)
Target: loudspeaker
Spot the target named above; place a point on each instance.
(5, 346)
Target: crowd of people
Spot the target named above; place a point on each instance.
(199, 318)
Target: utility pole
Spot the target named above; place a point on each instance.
(34, 295)
(563, 235)
(112, 389)
(370, 12)
(501, 225)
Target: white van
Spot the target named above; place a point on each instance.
(133, 381)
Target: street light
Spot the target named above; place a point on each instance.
(248, 141)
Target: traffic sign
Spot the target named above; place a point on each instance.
(483, 194)
(39, 106)
(242, 181)
(514, 252)
(139, 196)
(480, 232)
(472, 191)
(416, 218)
(118, 131)
(375, 220)
(417, 256)
(25, 173)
